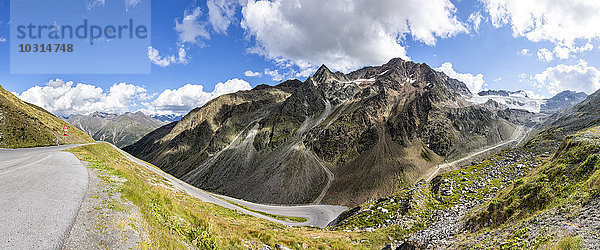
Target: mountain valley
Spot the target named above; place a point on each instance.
(335, 138)
(120, 130)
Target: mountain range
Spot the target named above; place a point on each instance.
(520, 100)
(167, 118)
(335, 138)
(120, 130)
(381, 139)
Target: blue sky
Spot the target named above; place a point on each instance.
(539, 45)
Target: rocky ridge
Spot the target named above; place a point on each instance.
(372, 130)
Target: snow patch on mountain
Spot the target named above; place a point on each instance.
(509, 99)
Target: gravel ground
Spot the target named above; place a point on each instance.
(106, 220)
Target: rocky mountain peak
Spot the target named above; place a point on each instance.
(395, 61)
(105, 115)
(323, 74)
(569, 95)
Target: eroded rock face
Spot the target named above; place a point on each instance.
(374, 129)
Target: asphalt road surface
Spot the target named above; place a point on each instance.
(41, 190)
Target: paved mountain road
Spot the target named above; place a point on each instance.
(41, 190)
(317, 215)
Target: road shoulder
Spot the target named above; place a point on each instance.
(105, 219)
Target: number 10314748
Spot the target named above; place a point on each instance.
(45, 47)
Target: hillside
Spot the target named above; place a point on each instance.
(336, 138)
(583, 115)
(129, 203)
(120, 130)
(26, 125)
(544, 194)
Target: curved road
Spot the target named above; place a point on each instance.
(40, 194)
(42, 190)
(316, 215)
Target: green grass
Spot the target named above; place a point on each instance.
(415, 205)
(567, 179)
(569, 242)
(168, 224)
(175, 220)
(26, 125)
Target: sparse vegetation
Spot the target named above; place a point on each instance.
(26, 125)
(177, 220)
(569, 242)
(567, 178)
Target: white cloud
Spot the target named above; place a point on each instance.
(577, 77)
(475, 20)
(191, 29)
(131, 3)
(180, 101)
(565, 51)
(475, 83)
(344, 34)
(562, 52)
(524, 77)
(545, 55)
(524, 52)
(221, 14)
(154, 56)
(66, 98)
(91, 4)
(2, 39)
(275, 75)
(498, 79)
(251, 73)
(547, 20)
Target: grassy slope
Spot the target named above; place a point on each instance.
(567, 179)
(570, 177)
(26, 125)
(177, 220)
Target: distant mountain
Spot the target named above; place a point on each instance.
(91, 123)
(25, 125)
(121, 130)
(581, 116)
(562, 101)
(336, 138)
(167, 118)
(518, 100)
(505, 93)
